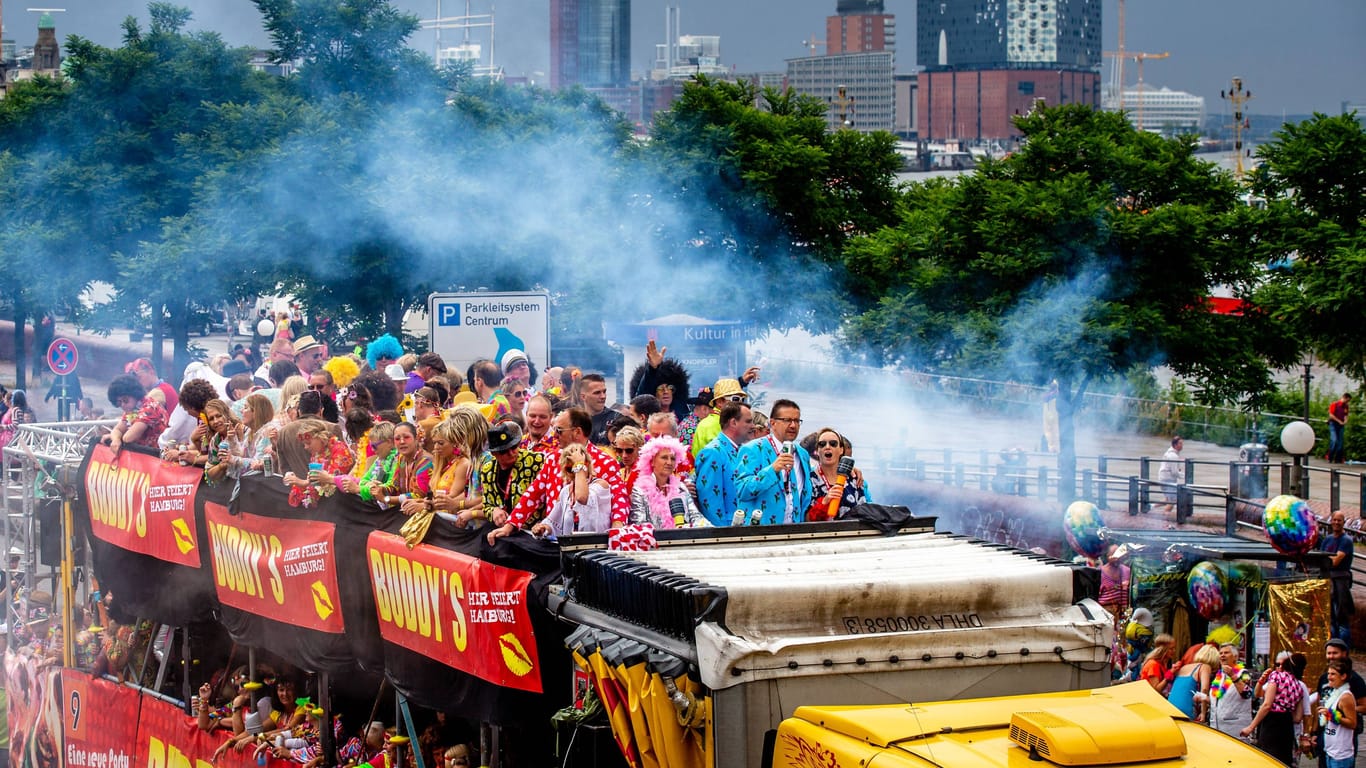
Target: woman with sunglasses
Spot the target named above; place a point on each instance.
(1274, 722)
(626, 448)
(827, 488)
(326, 449)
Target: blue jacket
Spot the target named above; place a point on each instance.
(716, 494)
(760, 487)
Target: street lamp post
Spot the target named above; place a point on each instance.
(1298, 440)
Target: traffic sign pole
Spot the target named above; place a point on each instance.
(62, 359)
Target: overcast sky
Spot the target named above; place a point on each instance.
(1295, 57)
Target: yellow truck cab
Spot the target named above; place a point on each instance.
(1125, 725)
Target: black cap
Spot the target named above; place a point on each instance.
(432, 360)
(234, 367)
(703, 397)
(504, 437)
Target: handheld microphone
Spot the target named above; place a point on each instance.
(738, 518)
(679, 511)
(841, 477)
(787, 473)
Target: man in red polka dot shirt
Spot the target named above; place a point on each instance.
(570, 427)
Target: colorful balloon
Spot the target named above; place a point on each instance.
(1081, 524)
(1206, 590)
(1290, 525)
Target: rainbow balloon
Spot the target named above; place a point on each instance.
(1290, 525)
(1081, 524)
(1206, 590)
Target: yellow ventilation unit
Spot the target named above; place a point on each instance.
(1098, 734)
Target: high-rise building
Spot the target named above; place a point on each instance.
(855, 75)
(985, 61)
(857, 86)
(590, 43)
(858, 26)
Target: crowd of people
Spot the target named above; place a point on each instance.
(1210, 682)
(499, 445)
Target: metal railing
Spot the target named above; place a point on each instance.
(1215, 424)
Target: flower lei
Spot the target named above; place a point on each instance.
(1223, 682)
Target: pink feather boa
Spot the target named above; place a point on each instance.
(658, 501)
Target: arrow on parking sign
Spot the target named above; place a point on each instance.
(62, 356)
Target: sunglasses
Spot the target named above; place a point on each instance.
(827, 443)
(736, 398)
(625, 449)
(317, 387)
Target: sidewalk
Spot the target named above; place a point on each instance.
(101, 358)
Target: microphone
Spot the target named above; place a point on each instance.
(841, 477)
(679, 511)
(787, 473)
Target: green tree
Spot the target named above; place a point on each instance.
(1313, 176)
(761, 185)
(137, 114)
(1088, 252)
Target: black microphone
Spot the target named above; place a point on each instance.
(679, 511)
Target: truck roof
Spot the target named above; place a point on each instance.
(802, 603)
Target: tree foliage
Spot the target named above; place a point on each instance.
(1313, 177)
(766, 186)
(1088, 252)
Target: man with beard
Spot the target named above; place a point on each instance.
(508, 471)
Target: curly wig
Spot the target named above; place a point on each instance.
(670, 371)
(123, 385)
(384, 346)
(652, 448)
(343, 370)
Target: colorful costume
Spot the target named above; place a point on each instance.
(783, 497)
(716, 493)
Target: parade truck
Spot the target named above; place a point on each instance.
(700, 649)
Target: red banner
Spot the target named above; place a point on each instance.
(143, 504)
(285, 570)
(99, 721)
(459, 610)
(167, 738)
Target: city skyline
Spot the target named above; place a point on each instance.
(1293, 63)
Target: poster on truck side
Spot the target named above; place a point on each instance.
(464, 327)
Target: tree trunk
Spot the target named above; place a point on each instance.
(179, 323)
(20, 359)
(393, 318)
(157, 325)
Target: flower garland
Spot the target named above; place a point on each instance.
(1223, 682)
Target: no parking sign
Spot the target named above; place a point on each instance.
(62, 356)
